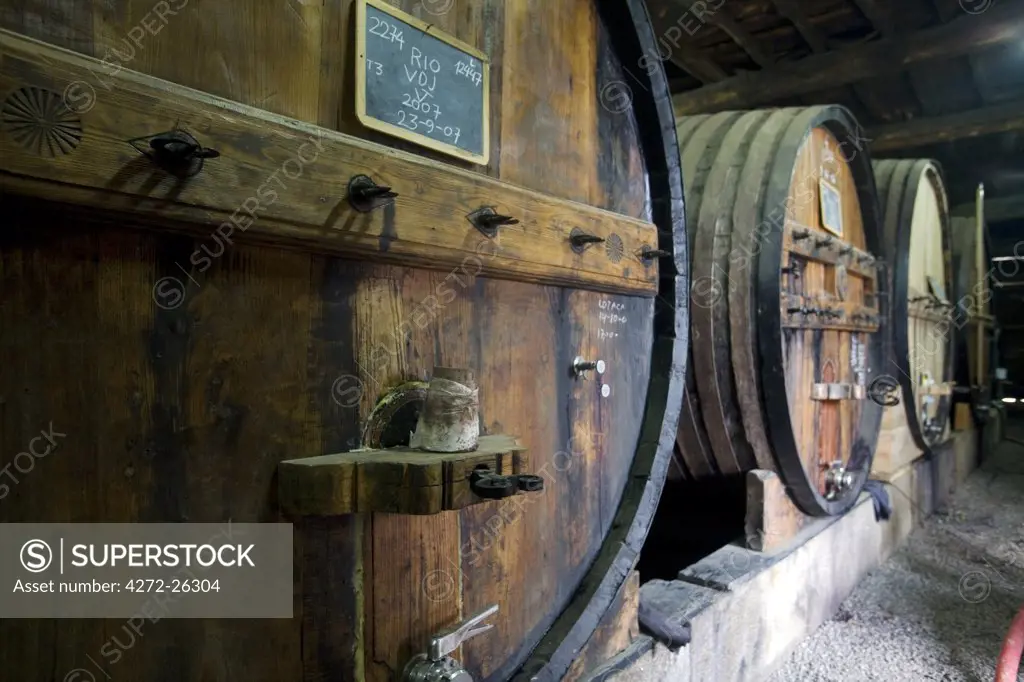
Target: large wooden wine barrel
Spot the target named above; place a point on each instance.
(973, 323)
(917, 247)
(785, 306)
(191, 320)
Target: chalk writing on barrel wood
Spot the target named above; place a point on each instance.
(608, 317)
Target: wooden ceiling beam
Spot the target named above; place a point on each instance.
(719, 18)
(791, 10)
(996, 210)
(963, 175)
(879, 16)
(999, 118)
(947, 9)
(1003, 22)
(673, 36)
(700, 67)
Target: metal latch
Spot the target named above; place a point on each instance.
(485, 483)
(838, 392)
(436, 665)
(176, 151)
(884, 391)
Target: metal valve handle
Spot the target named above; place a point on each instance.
(884, 391)
(436, 665)
(485, 483)
(447, 641)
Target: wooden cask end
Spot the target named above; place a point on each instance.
(917, 247)
(785, 308)
(973, 323)
(185, 366)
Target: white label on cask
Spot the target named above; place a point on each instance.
(831, 208)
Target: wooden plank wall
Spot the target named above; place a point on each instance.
(552, 124)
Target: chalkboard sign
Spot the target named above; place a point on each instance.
(415, 82)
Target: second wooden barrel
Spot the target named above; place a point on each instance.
(917, 245)
(784, 229)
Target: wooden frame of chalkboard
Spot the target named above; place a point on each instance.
(375, 123)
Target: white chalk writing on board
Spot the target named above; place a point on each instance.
(420, 84)
(470, 70)
(386, 30)
(421, 73)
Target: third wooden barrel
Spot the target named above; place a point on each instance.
(917, 243)
(784, 229)
(973, 324)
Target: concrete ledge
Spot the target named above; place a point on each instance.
(759, 608)
(644, 660)
(743, 612)
(925, 486)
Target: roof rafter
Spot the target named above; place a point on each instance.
(970, 33)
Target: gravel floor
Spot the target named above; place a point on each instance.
(940, 607)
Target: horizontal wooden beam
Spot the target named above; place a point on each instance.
(794, 12)
(674, 43)
(398, 480)
(996, 210)
(999, 118)
(1001, 23)
(69, 118)
(718, 16)
(700, 67)
(962, 178)
(878, 14)
(951, 9)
